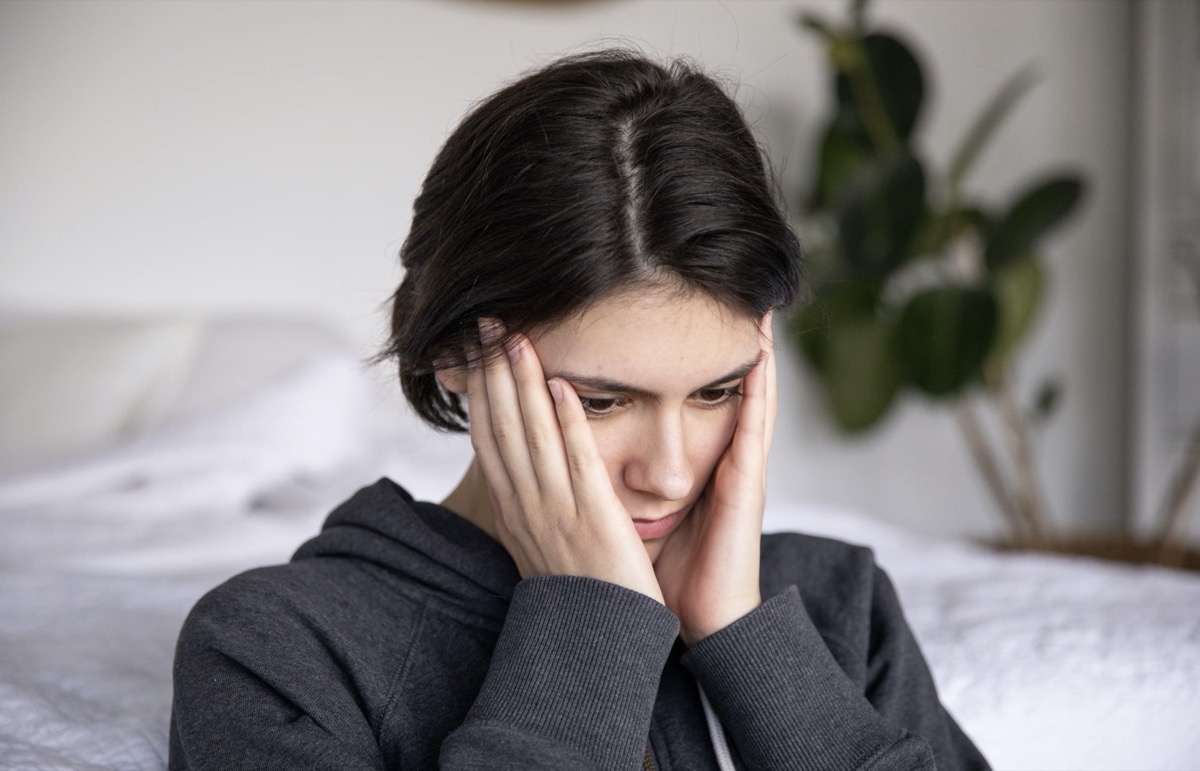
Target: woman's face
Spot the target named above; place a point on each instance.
(659, 373)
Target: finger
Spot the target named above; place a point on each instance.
(772, 398)
(749, 438)
(589, 476)
(482, 439)
(543, 436)
(504, 410)
(739, 488)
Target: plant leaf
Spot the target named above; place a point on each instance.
(987, 123)
(881, 214)
(852, 353)
(944, 335)
(1035, 212)
(835, 304)
(877, 87)
(938, 229)
(1046, 402)
(900, 80)
(863, 374)
(897, 79)
(1018, 285)
(842, 157)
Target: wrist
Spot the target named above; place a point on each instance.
(693, 633)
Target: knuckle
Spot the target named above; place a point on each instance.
(501, 429)
(579, 465)
(538, 443)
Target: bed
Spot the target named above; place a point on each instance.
(145, 460)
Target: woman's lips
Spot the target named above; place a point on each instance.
(650, 529)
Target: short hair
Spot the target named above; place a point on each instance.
(593, 174)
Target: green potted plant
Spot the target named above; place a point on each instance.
(919, 287)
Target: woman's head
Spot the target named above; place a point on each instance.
(592, 176)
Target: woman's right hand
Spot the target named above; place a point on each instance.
(553, 504)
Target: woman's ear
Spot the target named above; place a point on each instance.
(453, 378)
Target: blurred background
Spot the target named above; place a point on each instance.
(169, 159)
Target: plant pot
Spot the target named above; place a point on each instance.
(1116, 549)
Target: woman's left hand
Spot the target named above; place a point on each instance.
(708, 568)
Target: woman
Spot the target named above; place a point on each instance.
(593, 264)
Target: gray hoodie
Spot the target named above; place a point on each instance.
(403, 637)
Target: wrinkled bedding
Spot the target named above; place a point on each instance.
(1047, 662)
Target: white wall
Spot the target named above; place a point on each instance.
(167, 157)
(1165, 345)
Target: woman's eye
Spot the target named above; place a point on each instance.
(598, 407)
(711, 397)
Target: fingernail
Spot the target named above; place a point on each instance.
(490, 330)
(555, 390)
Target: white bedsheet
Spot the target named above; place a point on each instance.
(1047, 662)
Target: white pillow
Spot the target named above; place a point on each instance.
(73, 384)
(70, 385)
(237, 355)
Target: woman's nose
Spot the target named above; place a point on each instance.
(657, 463)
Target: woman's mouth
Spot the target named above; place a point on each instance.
(651, 529)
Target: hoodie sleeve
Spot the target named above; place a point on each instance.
(257, 688)
(785, 702)
(572, 682)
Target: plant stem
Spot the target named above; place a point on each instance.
(1183, 484)
(988, 468)
(1030, 504)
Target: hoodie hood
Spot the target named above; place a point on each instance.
(423, 544)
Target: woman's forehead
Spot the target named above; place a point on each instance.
(654, 339)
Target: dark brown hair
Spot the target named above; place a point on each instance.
(594, 173)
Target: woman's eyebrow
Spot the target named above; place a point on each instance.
(613, 386)
(736, 374)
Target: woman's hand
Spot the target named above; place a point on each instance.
(554, 507)
(708, 570)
